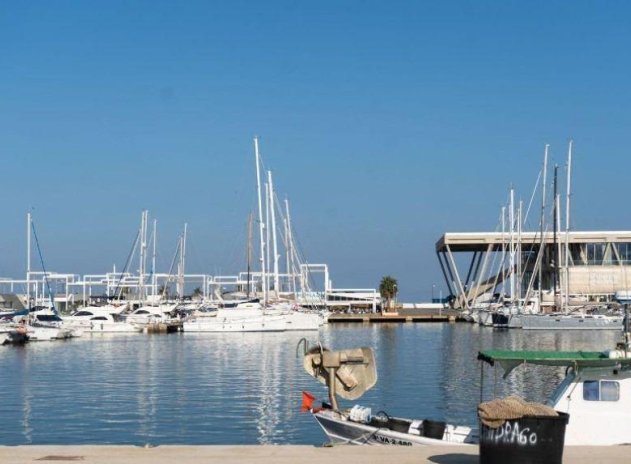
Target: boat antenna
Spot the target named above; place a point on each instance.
(41, 259)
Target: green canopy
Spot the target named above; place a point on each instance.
(509, 359)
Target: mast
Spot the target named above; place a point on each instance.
(519, 264)
(502, 261)
(154, 280)
(511, 255)
(289, 249)
(249, 253)
(273, 226)
(555, 280)
(182, 262)
(268, 259)
(28, 260)
(567, 225)
(261, 223)
(142, 268)
(541, 221)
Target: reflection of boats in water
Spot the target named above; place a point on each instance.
(594, 320)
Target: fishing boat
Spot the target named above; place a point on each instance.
(596, 391)
(349, 374)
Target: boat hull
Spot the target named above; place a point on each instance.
(344, 431)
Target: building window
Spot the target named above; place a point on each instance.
(595, 253)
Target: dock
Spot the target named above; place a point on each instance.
(285, 454)
(400, 315)
(384, 318)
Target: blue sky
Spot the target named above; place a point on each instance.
(385, 123)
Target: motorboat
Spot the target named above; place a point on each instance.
(237, 320)
(44, 324)
(146, 315)
(98, 320)
(13, 334)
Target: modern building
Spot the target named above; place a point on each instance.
(583, 266)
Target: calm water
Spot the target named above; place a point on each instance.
(246, 388)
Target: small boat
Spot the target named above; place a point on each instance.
(13, 334)
(349, 374)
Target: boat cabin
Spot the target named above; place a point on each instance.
(596, 391)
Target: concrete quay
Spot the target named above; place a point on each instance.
(285, 454)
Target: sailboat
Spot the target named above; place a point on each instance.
(567, 318)
(43, 322)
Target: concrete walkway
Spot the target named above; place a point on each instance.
(281, 454)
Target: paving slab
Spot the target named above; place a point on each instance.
(285, 454)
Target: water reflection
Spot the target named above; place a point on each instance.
(246, 388)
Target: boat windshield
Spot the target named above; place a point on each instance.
(561, 389)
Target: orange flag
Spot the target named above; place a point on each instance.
(307, 401)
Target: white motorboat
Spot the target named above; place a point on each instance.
(46, 325)
(146, 315)
(237, 320)
(98, 320)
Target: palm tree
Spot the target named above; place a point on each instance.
(388, 289)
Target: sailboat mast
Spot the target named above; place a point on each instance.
(143, 254)
(249, 253)
(273, 225)
(289, 248)
(154, 280)
(567, 224)
(261, 223)
(519, 263)
(555, 281)
(511, 255)
(182, 262)
(28, 260)
(502, 261)
(268, 259)
(541, 221)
